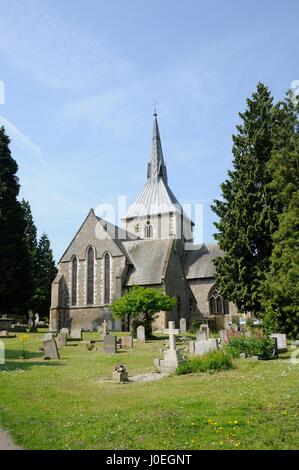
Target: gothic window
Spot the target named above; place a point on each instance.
(90, 276)
(107, 278)
(218, 305)
(148, 230)
(74, 280)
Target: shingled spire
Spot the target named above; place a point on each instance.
(156, 168)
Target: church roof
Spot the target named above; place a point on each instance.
(150, 259)
(198, 263)
(156, 196)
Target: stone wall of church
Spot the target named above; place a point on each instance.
(201, 289)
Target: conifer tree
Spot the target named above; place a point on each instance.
(45, 274)
(15, 269)
(246, 215)
(280, 289)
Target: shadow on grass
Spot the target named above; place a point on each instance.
(11, 365)
(18, 353)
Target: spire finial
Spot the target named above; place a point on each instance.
(154, 105)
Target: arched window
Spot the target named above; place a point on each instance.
(74, 280)
(218, 305)
(148, 230)
(90, 276)
(107, 278)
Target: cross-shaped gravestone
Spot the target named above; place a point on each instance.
(172, 332)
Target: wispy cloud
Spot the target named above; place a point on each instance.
(49, 49)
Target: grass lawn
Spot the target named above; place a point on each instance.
(66, 404)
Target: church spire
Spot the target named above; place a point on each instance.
(156, 167)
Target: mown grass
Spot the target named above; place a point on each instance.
(67, 404)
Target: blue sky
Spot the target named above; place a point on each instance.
(80, 77)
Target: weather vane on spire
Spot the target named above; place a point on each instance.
(154, 105)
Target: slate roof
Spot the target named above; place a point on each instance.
(156, 196)
(150, 259)
(198, 263)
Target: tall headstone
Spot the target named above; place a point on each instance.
(110, 344)
(104, 328)
(203, 347)
(172, 357)
(183, 325)
(62, 339)
(201, 335)
(141, 333)
(65, 330)
(204, 327)
(36, 322)
(223, 336)
(48, 336)
(126, 342)
(50, 349)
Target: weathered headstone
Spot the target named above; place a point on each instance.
(172, 357)
(191, 347)
(234, 327)
(104, 328)
(36, 322)
(223, 336)
(62, 339)
(48, 336)
(205, 327)
(110, 344)
(203, 347)
(76, 333)
(120, 374)
(118, 325)
(183, 325)
(201, 335)
(126, 342)
(65, 330)
(50, 349)
(281, 340)
(141, 333)
(109, 325)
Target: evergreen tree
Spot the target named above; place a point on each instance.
(31, 240)
(280, 289)
(247, 216)
(15, 272)
(45, 274)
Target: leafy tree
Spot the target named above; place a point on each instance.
(142, 303)
(280, 289)
(247, 216)
(16, 282)
(45, 274)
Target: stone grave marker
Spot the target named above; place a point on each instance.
(203, 347)
(172, 357)
(281, 340)
(183, 325)
(205, 327)
(127, 342)
(48, 336)
(110, 344)
(62, 339)
(120, 374)
(50, 349)
(201, 335)
(76, 333)
(65, 330)
(141, 333)
(223, 336)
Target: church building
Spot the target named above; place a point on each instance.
(154, 248)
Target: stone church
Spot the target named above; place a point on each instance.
(154, 248)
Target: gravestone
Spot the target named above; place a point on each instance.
(104, 328)
(76, 333)
(65, 330)
(110, 344)
(172, 357)
(120, 374)
(6, 334)
(50, 349)
(205, 327)
(118, 324)
(191, 347)
(223, 336)
(201, 336)
(48, 336)
(281, 340)
(126, 342)
(203, 347)
(183, 325)
(109, 325)
(36, 322)
(141, 334)
(234, 327)
(62, 339)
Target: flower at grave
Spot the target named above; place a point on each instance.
(236, 422)
(192, 424)
(221, 443)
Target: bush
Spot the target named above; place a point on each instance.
(213, 361)
(195, 325)
(263, 347)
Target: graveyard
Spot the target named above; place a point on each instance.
(69, 401)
